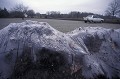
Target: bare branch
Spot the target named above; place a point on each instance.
(113, 8)
(20, 8)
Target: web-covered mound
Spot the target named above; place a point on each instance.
(35, 50)
(103, 46)
(36, 45)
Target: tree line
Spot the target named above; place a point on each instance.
(21, 11)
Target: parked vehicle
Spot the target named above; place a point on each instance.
(93, 18)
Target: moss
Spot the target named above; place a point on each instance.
(50, 60)
(47, 65)
(23, 65)
(42, 69)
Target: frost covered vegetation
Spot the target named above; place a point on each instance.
(35, 50)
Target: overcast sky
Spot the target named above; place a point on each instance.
(65, 6)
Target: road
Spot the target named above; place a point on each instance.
(61, 25)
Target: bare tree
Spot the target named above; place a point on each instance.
(20, 8)
(18, 11)
(113, 8)
(53, 14)
(74, 14)
(31, 13)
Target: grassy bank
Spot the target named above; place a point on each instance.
(113, 21)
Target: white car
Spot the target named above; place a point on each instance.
(93, 18)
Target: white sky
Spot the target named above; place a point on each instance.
(65, 6)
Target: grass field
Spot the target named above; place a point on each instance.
(61, 25)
